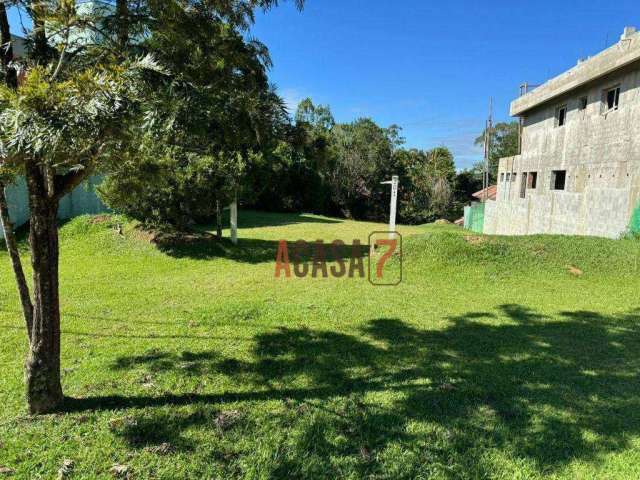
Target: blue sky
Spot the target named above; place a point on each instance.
(429, 66)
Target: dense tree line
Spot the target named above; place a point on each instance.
(336, 168)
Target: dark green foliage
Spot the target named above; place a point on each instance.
(337, 168)
(430, 179)
(169, 187)
(467, 183)
(215, 117)
(362, 157)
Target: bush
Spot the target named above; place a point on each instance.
(171, 189)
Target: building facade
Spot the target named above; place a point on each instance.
(579, 168)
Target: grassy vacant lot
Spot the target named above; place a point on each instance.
(496, 358)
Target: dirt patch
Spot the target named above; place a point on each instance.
(162, 449)
(171, 239)
(575, 271)
(121, 471)
(183, 238)
(227, 419)
(99, 219)
(143, 235)
(474, 239)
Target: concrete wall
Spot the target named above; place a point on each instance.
(600, 152)
(599, 198)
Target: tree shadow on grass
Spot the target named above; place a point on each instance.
(549, 389)
(149, 336)
(256, 219)
(250, 250)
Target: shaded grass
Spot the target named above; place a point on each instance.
(490, 360)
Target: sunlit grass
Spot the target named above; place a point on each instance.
(494, 358)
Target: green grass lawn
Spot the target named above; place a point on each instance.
(490, 360)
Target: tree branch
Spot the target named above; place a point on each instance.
(14, 253)
(66, 183)
(5, 220)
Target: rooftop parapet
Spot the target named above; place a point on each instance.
(623, 53)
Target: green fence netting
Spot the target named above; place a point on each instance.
(474, 217)
(634, 226)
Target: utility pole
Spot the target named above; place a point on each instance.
(487, 151)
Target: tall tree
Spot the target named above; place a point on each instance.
(427, 184)
(74, 113)
(504, 143)
(6, 46)
(219, 115)
(362, 155)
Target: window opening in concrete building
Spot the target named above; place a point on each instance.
(582, 103)
(523, 185)
(558, 179)
(561, 116)
(612, 99)
(508, 177)
(532, 181)
(502, 177)
(513, 176)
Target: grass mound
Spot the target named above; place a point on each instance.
(551, 255)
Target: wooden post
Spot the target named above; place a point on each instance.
(394, 205)
(234, 221)
(218, 220)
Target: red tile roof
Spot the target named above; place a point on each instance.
(492, 192)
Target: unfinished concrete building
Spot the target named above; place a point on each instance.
(578, 172)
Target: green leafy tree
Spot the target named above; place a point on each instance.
(362, 157)
(316, 117)
(219, 116)
(504, 143)
(468, 182)
(80, 108)
(312, 139)
(427, 184)
(55, 133)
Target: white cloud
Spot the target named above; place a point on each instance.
(292, 98)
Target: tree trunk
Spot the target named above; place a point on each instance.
(16, 263)
(44, 390)
(122, 14)
(7, 48)
(41, 51)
